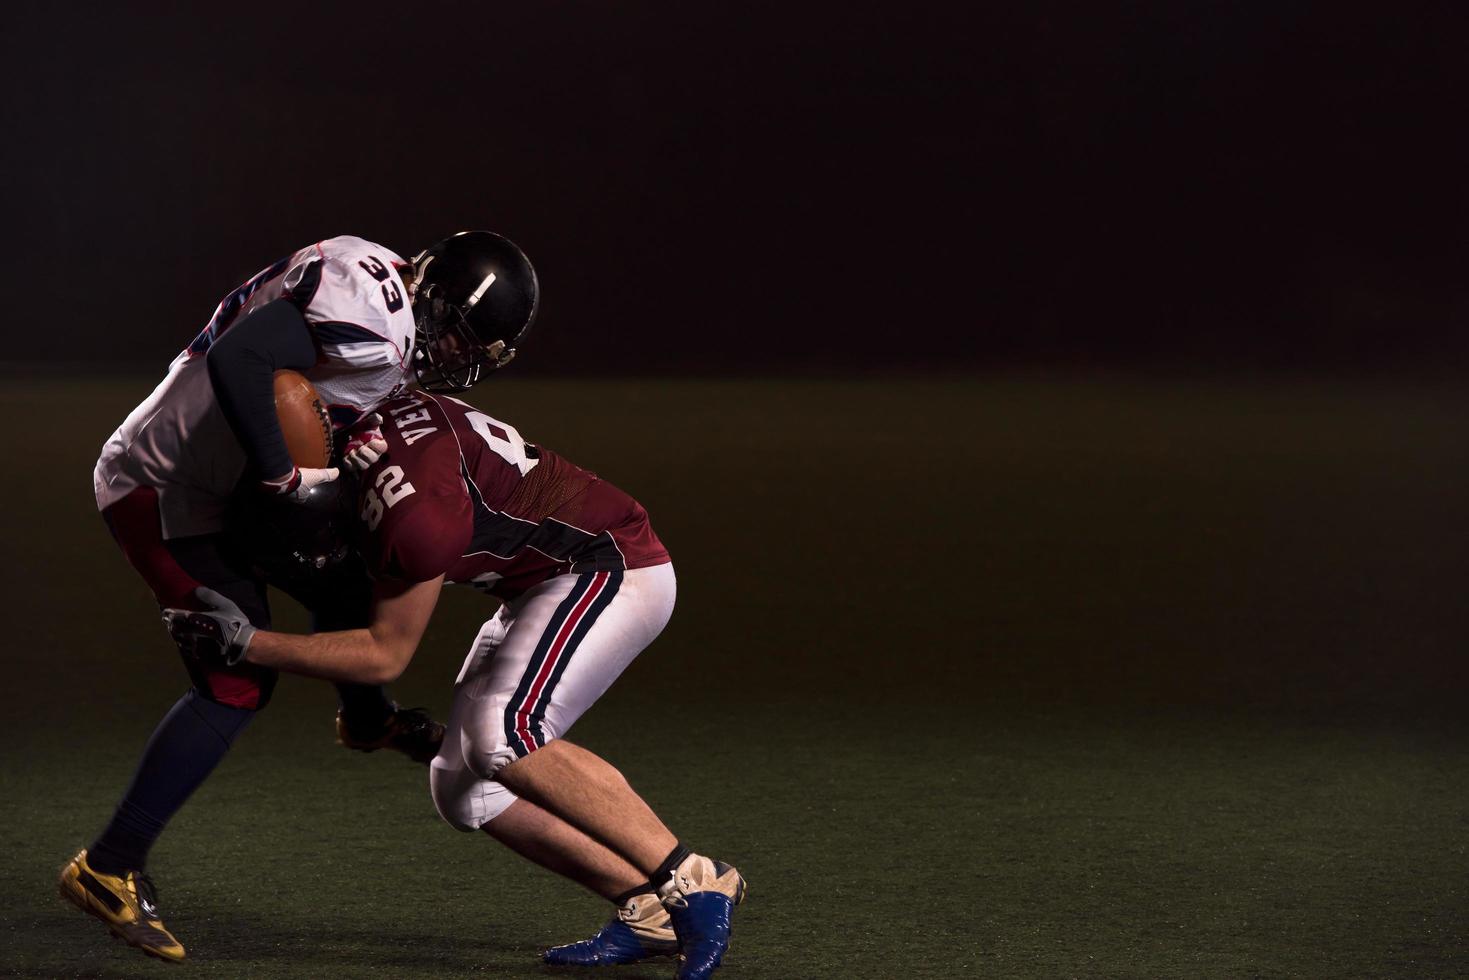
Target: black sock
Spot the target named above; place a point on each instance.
(669, 866)
(632, 893)
(183, 750)
(365, 707)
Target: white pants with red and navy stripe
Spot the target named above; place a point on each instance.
(534, 668)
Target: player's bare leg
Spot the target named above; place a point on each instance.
(590, 794)
(556, 845)
(698, 894)
(641, 927)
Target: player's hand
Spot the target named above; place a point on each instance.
(220, 633)
(296, 485)
(365, 443)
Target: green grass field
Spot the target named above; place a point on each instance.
(976, 676)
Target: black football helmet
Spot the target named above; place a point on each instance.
(292, 542)
(475, 295)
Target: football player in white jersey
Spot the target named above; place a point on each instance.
(360, 323)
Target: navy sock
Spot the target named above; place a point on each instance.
(183, 750)
(365, 707)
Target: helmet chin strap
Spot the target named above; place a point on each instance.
(420, 264)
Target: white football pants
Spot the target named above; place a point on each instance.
(534, 668)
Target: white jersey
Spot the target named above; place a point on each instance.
(178, 440)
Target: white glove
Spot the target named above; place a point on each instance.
(365, 443)
(219, 634)
(298, 483)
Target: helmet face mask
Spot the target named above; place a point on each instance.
(447, 354)
(293, 543)
(475, 295)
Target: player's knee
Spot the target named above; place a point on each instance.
(501, 737)
(492, 750)
(228, 721)
(488, 753)
(465, 801)
(246, 688)
(449, 799)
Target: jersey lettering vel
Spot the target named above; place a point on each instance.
(178, 440)
(461, 494)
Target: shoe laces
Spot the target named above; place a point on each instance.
(639, 907)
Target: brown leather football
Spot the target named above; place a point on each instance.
(304, 420)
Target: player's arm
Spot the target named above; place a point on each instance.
(242, 365)
(375, 655)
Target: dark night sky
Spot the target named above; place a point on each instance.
(713, 186)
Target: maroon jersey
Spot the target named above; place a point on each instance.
(460, 494)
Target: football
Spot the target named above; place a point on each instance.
(304, 420)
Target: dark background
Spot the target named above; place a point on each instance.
(721, 187)
(1071, 582)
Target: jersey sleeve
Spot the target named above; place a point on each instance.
(241, 365)
(356, 305)
(426, 519)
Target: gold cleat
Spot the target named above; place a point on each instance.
(126, 904)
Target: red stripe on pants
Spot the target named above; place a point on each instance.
(548, 666)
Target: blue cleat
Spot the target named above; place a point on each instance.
(641, 931)
(701, 900)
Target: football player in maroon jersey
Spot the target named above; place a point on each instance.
(585, 585)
